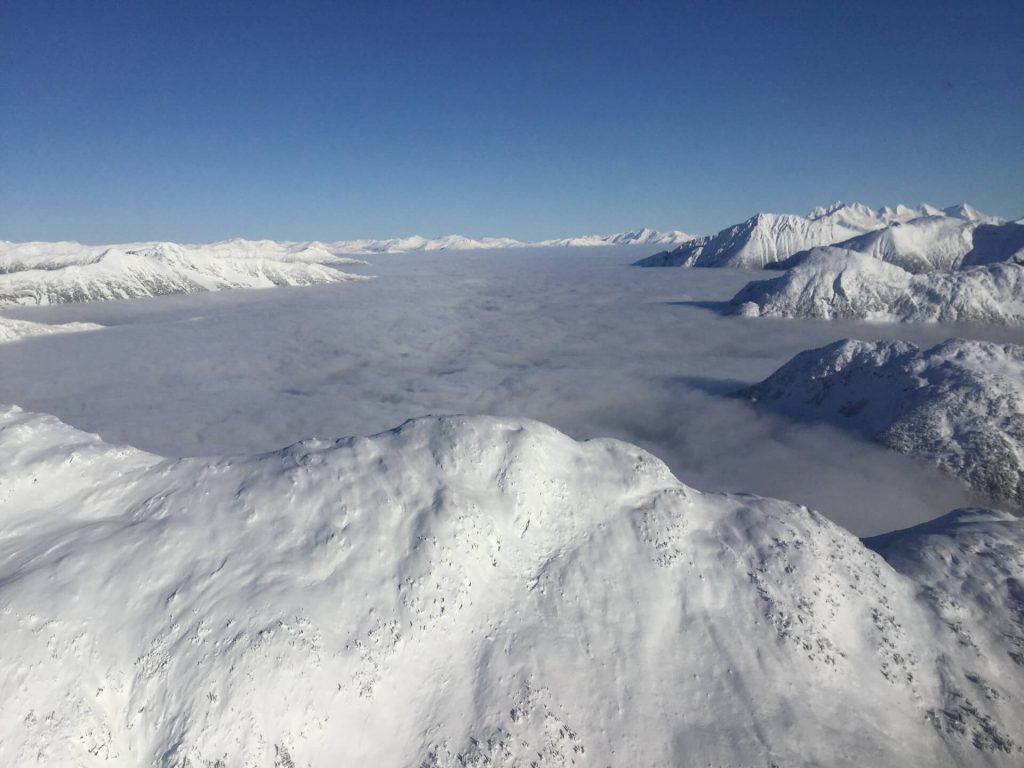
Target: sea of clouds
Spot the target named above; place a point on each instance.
(572, 337)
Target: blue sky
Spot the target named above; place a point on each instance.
(296, 120)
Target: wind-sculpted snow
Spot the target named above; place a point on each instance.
(471, 592)
(14, 330)
(959, 405)
(833, 283)
(914, 238)
(32, 273)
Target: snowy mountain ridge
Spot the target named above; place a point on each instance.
(32, 273)
(479, 591)
(51, 273)
(959, 404)
(835, 283)
(767, 238)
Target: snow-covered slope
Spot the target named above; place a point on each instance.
(833, 283)
(919, 245)
(13, 330)
(994, 243)
(768, 238)
(968, 566)
(471, 591)
(933, 242)
(959, 404)
(32, 273)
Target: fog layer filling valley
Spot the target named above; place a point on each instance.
(578, 340)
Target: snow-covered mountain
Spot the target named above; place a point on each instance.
(13, 330)
(995, 243)
(919, 245)
(833, 283)
(20, 257)
(768, 238)
(932, 242)
(48, 273)
(35, 273)
(484, 592)
(643, 236)
(959, 405)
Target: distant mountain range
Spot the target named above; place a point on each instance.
(60, 273)
(54, 273)
(769, 238)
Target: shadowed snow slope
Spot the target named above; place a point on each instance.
(959, 404)
(833, 283)
(474, 591)
(33, 273)
(771, 237)
(992, 243)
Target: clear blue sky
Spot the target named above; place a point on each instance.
(294, 120)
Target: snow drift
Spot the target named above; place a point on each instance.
(833, 283)
(959, 405)
(478, 591)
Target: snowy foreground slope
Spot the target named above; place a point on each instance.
(832, 283)
(959, 404)
(767, 238)
(45, 273)
(481, 592)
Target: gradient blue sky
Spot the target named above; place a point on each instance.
(196, 121)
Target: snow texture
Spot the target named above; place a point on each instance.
(833, 283)
(480, 592)
(959, 404)
(770, 240)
